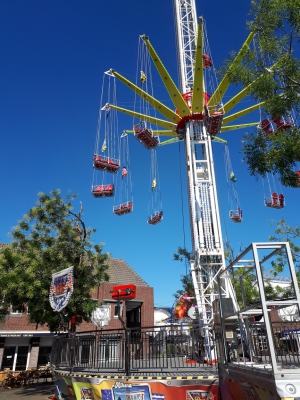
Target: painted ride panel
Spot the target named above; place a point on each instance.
(96, 387)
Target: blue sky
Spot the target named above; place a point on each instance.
(53, 56)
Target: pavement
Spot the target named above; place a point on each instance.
(34, 391)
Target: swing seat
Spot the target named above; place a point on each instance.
(266, 126)
(207, 62)
(156, 218)
(297, 173)
(124, 208)
(106, 163)
(214, 122)
(236, 215)
(145, 137)
(275, 202)
(281, 124)
(103, 191)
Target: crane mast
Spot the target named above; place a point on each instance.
(207, 245)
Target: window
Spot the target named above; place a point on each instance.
(116, 310)
(14, 311)
(44, 355)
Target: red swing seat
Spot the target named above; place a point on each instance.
(236, 215)
(145, 136)
(266, 126)
(207, 62)
(281, 124)
(103, 191)
(156, 218)
(297, 173)
(108, 164)
(213, 121)
(275, 201)
(124, 208)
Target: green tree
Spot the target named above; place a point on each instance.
(49, 238)
(186, 280)
(287, 233)
(273, 70)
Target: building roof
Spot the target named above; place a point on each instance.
(120, 272)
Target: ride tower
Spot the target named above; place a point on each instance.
(197, 120)
(198, 131)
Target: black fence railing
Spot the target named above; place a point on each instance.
(257, 348)
(163, 349)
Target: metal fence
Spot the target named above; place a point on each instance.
(256, 349)
(163, 349)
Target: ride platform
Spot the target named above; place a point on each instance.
(142, 363)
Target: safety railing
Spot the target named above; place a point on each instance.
(163, 349)
(257, 346)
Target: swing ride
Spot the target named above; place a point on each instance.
(198, 119)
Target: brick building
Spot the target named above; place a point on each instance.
(23, 344)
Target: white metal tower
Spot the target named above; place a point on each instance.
(205, 225)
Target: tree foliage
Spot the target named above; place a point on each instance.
(272, 69)
(49, 238)
(287, 233)
(186, 280)
(186, 296)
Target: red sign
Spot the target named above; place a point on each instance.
(126, 292)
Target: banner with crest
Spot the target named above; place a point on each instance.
(61, 289)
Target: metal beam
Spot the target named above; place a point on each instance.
(197, 103)
(172, 89)
(143, 117)
(160, 107)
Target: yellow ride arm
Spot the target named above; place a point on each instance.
(241, 113)
(240, 126)
(152, 120)
(197, 104)
(165, 111)
(223, 86)
(172, 89)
